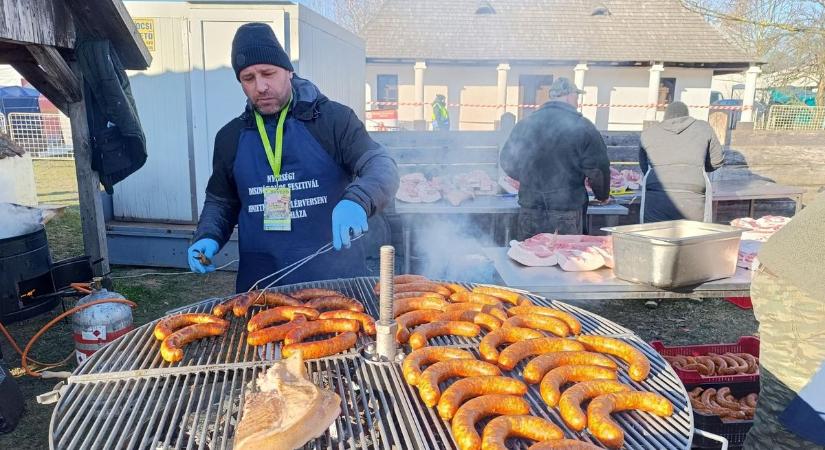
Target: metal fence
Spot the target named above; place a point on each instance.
(42, 135)
(793, 117)
(3, 124)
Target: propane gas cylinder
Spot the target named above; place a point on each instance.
(96, 326)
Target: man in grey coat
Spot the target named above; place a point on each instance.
(550, 153)
(678, 151)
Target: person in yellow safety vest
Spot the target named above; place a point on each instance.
(441, 117)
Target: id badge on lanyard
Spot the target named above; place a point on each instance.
(277, 213)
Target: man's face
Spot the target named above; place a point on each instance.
(268, 87)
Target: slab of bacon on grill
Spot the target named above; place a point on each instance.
(573, 253)
(415, 188)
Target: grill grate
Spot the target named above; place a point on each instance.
(125, 396)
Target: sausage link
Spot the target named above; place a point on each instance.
(455, 287)
(334, 302)
(525, 427)
(171, 349)
(169, 324)
(430, 378)
(517, 351)
(494, 311)
(484, 320)
(274, 334)
(488, 347)
(310, 293)
(725, 399)
(535, 369)
(411, 367)
(566, 317)
(464, 422)
(413, 318)
(221, 309)
(411, 294)
(514, 298)
(605, 429)
(401, 279)
(639, 364)
(277, 299)
(423, 286)
(467, 388)
(476, 297)
(539, 322)
(267, 317)
(570, 403)
(244, 301)
(552, 382)
(367, 322)
(564, 444)
(406, 305)
(424, 333)
(309, 329)
(319, 349)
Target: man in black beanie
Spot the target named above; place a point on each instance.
(294, 171)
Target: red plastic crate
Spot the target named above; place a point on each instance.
(742, 302)
(746, 344)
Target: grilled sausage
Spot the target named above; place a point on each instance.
(564, 444)
(539, 322)
(484, 320)
(405, 305)
(455, 287)
(411, 367)
(476, 297)
(566, 317)
(535, 369)
(554, 379)
(496, 312)
(424, 333)
(413, 318)
(267, 317)
(221, 309)
(319, 349)
(169, 324)
(400, 295)
(423, 286)
(334, 302)
(310, 293)
(261, 297)
(572, 398)
(430, 378)
(171, 349)
(526, 427)
(401, 279)
(274, 334)
(309, 329)
(517, 351)
(467, 388)
(464, 422)
(488, 347)
(605, 429)
(514, 298)
(639, 364)
(367, 322)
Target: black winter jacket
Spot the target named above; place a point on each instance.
(550, 153)
(335, 127)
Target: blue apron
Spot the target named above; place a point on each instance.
(805, 415)
(317, 184)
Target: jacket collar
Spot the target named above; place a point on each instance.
(306, 102)
(560, 105)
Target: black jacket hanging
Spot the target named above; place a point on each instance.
(117, 140)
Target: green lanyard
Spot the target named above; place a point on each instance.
(274, 159)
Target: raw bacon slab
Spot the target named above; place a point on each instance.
(573, 253)
(580, 260)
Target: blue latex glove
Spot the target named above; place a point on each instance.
(207, 247)
(348, 218)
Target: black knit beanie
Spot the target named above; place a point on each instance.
(255, 43)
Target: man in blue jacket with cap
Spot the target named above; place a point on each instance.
(294, 172)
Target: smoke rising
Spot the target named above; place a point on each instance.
(451, 249)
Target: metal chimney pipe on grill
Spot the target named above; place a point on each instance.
(386, 327)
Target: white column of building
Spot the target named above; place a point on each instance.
(420, 67)
(749, 95)
(501, 90)
(578, 77)
(653, 90)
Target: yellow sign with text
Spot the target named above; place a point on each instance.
(146, 28)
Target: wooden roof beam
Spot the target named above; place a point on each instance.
(51, 75)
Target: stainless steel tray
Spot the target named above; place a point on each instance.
(673, 254)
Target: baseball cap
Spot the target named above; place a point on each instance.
(563, 86)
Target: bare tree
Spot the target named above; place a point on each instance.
(355, 14)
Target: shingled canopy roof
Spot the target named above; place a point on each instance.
(547, 31)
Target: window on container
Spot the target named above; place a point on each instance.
(387, 91)
(667, 90)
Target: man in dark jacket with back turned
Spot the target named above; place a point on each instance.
(294, 172)
(550, 153)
